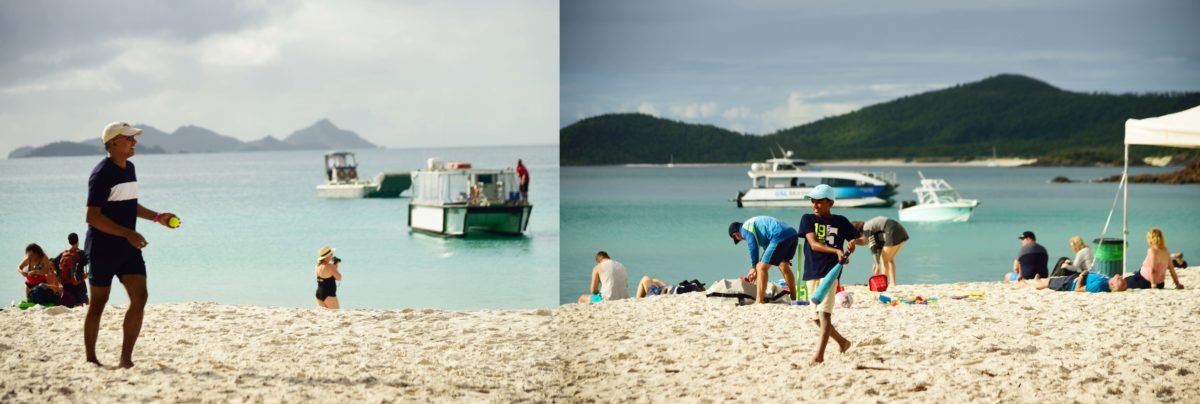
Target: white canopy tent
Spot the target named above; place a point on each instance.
(1180, 129)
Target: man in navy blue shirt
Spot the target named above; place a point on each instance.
(1031, 258)
(825, 235)
(113, 245)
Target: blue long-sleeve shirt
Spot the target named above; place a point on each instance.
(764, 232)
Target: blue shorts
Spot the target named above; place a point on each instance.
(596, 298)
(785, 251)
(105, 268)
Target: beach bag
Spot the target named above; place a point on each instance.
(878, 283)
(70, 267)
(745, 292)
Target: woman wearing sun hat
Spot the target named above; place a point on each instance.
(327, 278)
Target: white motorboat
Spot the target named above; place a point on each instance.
(342, 182)
(937, 202)
(783, 183)
(453, 199)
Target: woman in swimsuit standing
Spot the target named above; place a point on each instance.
(327, 278)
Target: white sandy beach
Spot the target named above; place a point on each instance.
(1011, 345)
(205, 352)
(1008, 345)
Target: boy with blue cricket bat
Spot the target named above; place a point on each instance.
(826, 235)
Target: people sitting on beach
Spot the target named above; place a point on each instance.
(1177, 260)
(1091, 283)
(328, 277)
(885, 236)
(1031, 258)
(41, 283)
(653, 287)
(610, 280)
(1156, 266)
(778, 242)
(72, 272)
(1083, 261)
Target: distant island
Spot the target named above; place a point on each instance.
(1018, 116)
(322, 135)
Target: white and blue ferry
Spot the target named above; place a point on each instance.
(783, 182)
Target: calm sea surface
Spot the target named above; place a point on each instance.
(252, 224)
(670, 223)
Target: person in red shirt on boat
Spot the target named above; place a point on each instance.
(523, 174)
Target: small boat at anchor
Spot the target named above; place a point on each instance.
(783, 182)
(454, 199)
(937, 201)
(342, 182)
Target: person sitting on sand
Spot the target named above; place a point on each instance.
(778, 242)
(40, 274)
(610, 280)
(40, 269)
(653, 287)
(885, 237)
(1156, 266)
(1091, 283)
(1177, 261)
(1031, 258)
(1084, 258)
(328, 277)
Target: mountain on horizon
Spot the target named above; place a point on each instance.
(327, 135)
(322, 135)
(1018, 115)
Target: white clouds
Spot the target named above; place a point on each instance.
(694, 111)
(648, 109)
(240, 49)
(395, 72)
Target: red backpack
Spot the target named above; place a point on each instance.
(70, 267)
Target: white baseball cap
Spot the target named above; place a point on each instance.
(118, 129)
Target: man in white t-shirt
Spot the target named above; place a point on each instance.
(610, 280)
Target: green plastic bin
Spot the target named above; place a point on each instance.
(1109, 255)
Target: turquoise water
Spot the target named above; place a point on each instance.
(670, 223)
(252, 224)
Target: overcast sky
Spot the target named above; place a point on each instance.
(400, 73)
(759, 66)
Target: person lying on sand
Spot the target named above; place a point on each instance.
(1091, 283)
(653, 287)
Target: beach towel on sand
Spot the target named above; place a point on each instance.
(745, 292)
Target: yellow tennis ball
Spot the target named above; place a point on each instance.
(173, 222)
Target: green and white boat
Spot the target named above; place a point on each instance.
(454, 199)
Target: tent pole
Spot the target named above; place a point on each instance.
(1125, 213)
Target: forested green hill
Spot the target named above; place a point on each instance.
(1018, 115)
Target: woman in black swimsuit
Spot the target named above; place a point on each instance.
(327, 278)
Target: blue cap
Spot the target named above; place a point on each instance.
(735, 227)
(822, 191)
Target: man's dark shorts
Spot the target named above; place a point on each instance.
(105, 268)
(785, 251)
(1062, 283)
(525, 187)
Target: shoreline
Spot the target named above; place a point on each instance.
(1005, 162)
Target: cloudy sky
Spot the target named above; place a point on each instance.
(758, 66)
(400, 73)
